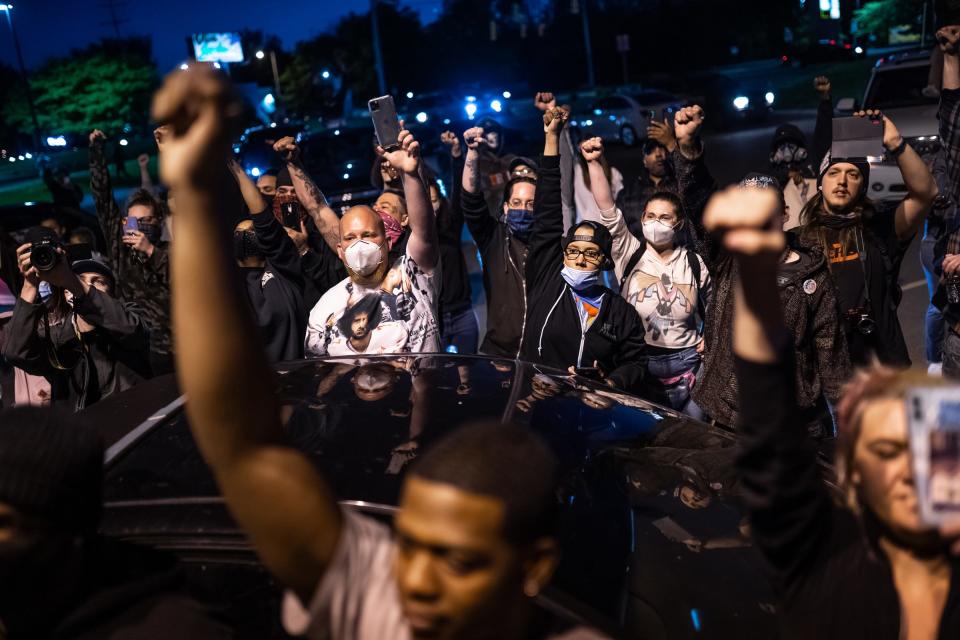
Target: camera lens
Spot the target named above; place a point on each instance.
(43, 256)
(866, 326)
(374, 106)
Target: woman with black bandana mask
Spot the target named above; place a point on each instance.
(270, 264)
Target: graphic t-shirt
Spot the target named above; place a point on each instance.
(665, 295)
(399, 316)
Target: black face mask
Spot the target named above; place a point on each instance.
(245, 245)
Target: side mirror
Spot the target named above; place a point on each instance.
(847, 105)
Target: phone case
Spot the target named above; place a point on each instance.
(934, 417)
(857, 138)
(385, 122)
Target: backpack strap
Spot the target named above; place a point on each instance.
(631, 264)
(694, 261)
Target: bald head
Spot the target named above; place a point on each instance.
(358, 222)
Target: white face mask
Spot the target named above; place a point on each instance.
(363, 257)
(658, 233)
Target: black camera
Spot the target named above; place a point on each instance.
(859, 318)
(952, 286)
(44, 254)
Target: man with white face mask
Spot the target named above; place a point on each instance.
(407, 289)
(666, 283)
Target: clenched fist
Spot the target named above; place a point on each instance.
(287, 148)
(202, 112)
(687, 122)
(749, 221)
(553, 121)
(822, 86)
(473, 137)
(97, 138)
(592, 149)
(450, 139)
(544, 100)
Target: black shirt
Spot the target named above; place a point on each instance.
(864, 260)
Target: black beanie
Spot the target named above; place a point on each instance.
(859, 163)
(948, 13)
(51, 467)
(283, 178)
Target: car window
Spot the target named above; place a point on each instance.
(899, 87)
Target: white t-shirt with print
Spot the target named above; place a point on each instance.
(399, 316)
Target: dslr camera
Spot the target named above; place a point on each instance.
(44, 254)
(859, 318)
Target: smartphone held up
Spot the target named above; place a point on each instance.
(934, 417)
(383, 112)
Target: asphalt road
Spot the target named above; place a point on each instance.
(731, 155)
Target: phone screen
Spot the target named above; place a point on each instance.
(934, 417)
(291, 215)
(857, 138)
(385, 122)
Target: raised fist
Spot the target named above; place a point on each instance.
(748, 219)
(287, 148)
(688, 121)
(202, 112)
(553, 120)
(97, 138)
(822, 85)
(450, 139)
(406, 157)
(544, 100)
(473, 137)
(143, 159)
(948, 38)
(592, 149)
(160, 135)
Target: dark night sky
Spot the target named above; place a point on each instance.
(53, 27)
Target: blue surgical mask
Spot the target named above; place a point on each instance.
(579, 280)
(520, 222)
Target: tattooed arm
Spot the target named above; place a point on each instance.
(309, 193)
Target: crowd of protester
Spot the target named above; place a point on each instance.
(768, 308)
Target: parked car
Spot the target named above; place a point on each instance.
(624, 117)
(898, 86)
(830, 50)
(655, 544)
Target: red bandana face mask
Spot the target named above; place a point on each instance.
(393, 228)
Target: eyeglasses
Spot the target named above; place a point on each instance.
(590, 255)
(520, 204)
(664, 218)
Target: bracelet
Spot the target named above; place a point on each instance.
(896, 153)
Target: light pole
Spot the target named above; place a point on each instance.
(377, 57)
(7, 8)
(276, 75)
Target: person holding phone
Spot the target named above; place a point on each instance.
(136, 251)
(865, 241)
(863, 567)
(575, 322)
(407, 287)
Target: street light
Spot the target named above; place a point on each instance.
(8, 9)
(260, 55)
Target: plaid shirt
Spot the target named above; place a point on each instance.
(950, 138)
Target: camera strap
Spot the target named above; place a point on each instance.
(861, 246)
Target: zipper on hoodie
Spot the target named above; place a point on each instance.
(523, 285)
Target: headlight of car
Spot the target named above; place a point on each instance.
(925, 145)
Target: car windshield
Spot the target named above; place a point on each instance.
(899, 87)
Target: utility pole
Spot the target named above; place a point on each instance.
(8, 9)
(115, 20)
(591, 79)
(377, 57)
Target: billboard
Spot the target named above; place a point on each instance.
(217, 47)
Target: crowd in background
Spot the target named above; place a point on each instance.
(749, 307)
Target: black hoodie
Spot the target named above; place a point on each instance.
(615, 339)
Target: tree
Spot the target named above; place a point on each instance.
(879, 16)
(105, 86)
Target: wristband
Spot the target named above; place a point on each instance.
(896, 153)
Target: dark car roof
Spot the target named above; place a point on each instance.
(640, 481)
